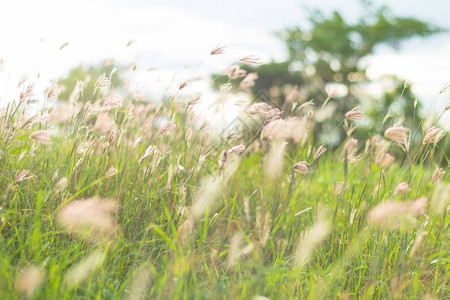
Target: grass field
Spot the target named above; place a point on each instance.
(112, 200)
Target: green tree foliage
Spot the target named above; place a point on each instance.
(89, 75)
(331, 51)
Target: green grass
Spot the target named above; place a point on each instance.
(268, 216)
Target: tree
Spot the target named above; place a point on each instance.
(331, 52)
(89, 75)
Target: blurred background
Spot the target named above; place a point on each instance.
(381, 55)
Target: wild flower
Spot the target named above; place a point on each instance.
(301, 167)
(433, 135)
(437, 175)
(402, 188)
(355, 114)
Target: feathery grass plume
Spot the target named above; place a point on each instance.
(260, 108)
(376, 189)
(312, 238)
(319, 151)
(398, 134)
(291, 129)
(53, 92)
(29, 281)
(64, 45)
(2, 64)
(60, 185)
(210, 188)
(292, 95)
(92, 218)
(102, 82)
(433, 135)
(391, 215)
(27, 95)
(417, 243)
(273, 114)
(402, 188)
(350, 147)
(355, 114)
(440, 198)
(185, 229)
(437, 175)
(140, 283)
(385, 160)
(239, 149)
(352, 159)
(218, 50)
(112, 135)
(349, 129)
(131, 42)
(81, 271)
(251, 59)
(104, 123)
(263, 226)
(150, 149)
(111, 172)
(248, 81)
(339, 188)
(225, 88)
(22, 175)
(447, 107)
(444, 88)
(30, 121)
(167, 127)
(233, 251)
(419, 206)
(113, 101)
(41, 136)
(301, 167)
(183, 84)
(275, 159)
(235, 72)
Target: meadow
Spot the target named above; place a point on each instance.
(119, 199)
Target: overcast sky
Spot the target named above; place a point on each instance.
(172, 34)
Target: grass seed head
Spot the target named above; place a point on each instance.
(41, 136)
(437, 175)
(29, 281)
(301, 167)
(402, 188)
(433, 135)
(355, 114)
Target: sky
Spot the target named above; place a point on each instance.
(176, 36)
